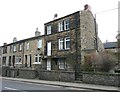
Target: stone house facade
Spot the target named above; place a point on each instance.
(63, 46)
(23, 53)
(69, 38)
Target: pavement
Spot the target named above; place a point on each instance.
(67, 84)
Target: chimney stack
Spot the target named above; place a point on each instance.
(37, 33)
(87, 7)
(4, 44)
(14, 39)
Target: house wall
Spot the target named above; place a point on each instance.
(88, 35)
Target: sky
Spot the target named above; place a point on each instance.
(20, 18)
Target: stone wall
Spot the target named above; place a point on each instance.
(4, 71)
(57, 75)
(102, 79)
(27, 73)
(19, 73)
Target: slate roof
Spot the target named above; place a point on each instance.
(110, 45)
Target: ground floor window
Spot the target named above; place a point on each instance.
(37, 59)
(4, 61)
(18, 60)
(61, 63)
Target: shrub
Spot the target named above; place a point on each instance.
(102, 61)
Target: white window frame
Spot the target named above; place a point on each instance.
(66, 24)
(14, 48)
(67, 39)
(39, 45)
(27, 46)
(61, 44)
(60, 26)
(48, 29)
(38, 57)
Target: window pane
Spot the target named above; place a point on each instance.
(36, 58)
(61, 63)
(27, 47)
(67, 43)
(39, 59)
(48, 30)
(14, 48)
(60, 26)
(66, 24)
(39, 43)
(61, 44)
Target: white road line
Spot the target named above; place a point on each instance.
(74, 88)
(10, 88)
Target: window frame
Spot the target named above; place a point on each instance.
(20, 47)
(66, 24)
(27, 46)
(61, 44)
(38, 58)
(49, 29)
(67, 40)
(61, 63)
(60, 26)
(18, 60)
(39, 44)
(14, 48)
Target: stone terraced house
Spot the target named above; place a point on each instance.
(59, 53)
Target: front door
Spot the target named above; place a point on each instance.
(48, 48)
(48, 64)
(25, 60)
(30, 61)
(13, 61)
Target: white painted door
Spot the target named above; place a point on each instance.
(48, 64)
(48, 48)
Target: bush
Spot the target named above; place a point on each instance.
(102, 61)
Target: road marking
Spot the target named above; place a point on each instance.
(71, 88)
(10, 88)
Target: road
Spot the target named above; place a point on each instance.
(17, 86)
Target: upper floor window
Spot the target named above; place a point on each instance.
(66, 25)
(20, 47)
(64, 43)
(39, 43)
(27, 46)
(11, 48)
(67, 43)
(61, 44)
(14, 48)
(63, 25)
(4, 49)
(48, 30)
(60, 26)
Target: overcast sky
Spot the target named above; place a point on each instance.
(19, 18)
